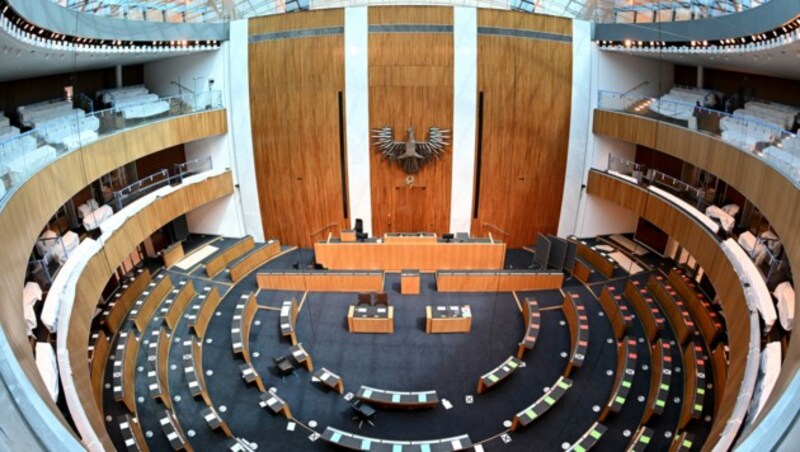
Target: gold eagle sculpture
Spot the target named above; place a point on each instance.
(411, 155)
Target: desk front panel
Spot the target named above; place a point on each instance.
(497, 282)
(423, 256)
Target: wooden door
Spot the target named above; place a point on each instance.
(409, 215)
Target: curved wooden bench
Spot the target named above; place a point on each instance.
(178, 307)
(214, 420)
(644, 312)
(142, 316)
(708, 322)
(589, 439)
(193, 370)
(597, 259)
(694, 384)
(207, 310)
(614, 312)
(288, 319)
(641, 439)
(125, 301)
(682, 443)
(102, 349)
(660, 376)
(673, 307)
(579, 331)
(626, 370)
(533, 319)
(352, 441)
(241, 323)
(254, 260)
(719, 364)
(132, 433)
(408, 400)
(158, 382)
(499, 373)
(173, 431)
(224, 258)
(125, 369)
(540, 406)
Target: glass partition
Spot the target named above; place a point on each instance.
(619, 11)
(756, 129)
(55, 134)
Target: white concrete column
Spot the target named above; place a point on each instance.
(356, 94)
(465, 111)
(579, 131)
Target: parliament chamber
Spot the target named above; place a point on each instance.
(406, 226)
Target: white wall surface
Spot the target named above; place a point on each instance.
(239, 214)
(608, 71)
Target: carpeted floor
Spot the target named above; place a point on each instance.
(410, 360)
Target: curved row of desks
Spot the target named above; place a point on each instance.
(721, 268)
(398, 399)
(770, 191)
(121, 233)
(352, 441)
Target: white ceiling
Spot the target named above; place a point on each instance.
(20, 61)
(783, 61)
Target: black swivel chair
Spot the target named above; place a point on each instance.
(359, 225)
(284, 366)
(364, 299)
(381, 298)
(363, 413)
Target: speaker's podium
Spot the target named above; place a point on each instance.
(409, 282)
(422, 251)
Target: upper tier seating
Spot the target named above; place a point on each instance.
(135, 102)
(679, 102)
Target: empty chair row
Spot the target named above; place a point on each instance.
(626, 371)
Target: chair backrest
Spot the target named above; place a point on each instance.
(364, 298)
(382, 298)
(359, 225)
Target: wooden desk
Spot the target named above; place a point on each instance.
(409, 282)
(321, 281)
(497, 281)
(410, 238)
(370, 319)
(427, 257)
(330, 379)
(348, 235)
(448, 319)
(172, 255)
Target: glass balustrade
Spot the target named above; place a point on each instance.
(603, 11)
(23, 154)
(761, 135)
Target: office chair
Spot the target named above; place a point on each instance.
(284, 366)
(364, 299)
(448, 237)
(361, 236)
(363, 412)
(381, 298)
(359, 227)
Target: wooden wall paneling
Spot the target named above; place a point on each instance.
(322, 18)
(102, 348)
(526, 84)
(533, 22)
(294, 86)
(435, 15)
(411, 84)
